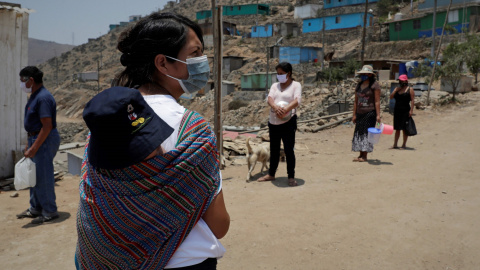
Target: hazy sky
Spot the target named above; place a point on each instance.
(75, 21)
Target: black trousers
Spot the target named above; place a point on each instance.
(286, 133)
(208, 264)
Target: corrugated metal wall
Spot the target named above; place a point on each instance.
(262, 31)
(13, 57)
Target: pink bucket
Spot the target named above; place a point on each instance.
(386, 129)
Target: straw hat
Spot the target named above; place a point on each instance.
(366, 69)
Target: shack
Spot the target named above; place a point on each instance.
(306, 11)
(297, 55)
(229, 29)
(86, 76)
(288, 29)
(257, 81)
(13, 56)
(236, 10)
(261, 31)
(228, 87)
(467, 18)
(231, 63)
(341, 21)
(342, 3)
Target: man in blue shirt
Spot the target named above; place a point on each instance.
(43, 143)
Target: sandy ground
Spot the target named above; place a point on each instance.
(404, 209)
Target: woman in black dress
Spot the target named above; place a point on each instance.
(404, 99)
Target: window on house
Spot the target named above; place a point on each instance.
(337, 19)
(309, 24)
(339, 1)
(329, 1)
(417, 24)
(239, 8)
(453, 16)
(398, 27)
(231, 8)
(245, 79)
(254, 29)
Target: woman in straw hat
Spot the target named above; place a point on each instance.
(404, 100)
(366, 111)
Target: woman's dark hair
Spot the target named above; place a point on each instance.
(158, 33)
(287, 67)
(32, 71)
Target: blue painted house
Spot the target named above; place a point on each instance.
(237, 10)
(341, 21)
(262, 31)
(342, 3)
(297, 55)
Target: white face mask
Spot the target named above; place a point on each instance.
(282, 78)
(23, 86)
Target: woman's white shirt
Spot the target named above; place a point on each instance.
(289, 94)
(200, 243)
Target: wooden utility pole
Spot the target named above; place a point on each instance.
(436, 55)
(323, 43)
(364, 32)
(434, 26)
(217, 71)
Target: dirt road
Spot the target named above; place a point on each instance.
(404, 209)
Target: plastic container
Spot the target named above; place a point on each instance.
(386, 129)
(374, 135)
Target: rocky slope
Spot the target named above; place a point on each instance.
(101, 54)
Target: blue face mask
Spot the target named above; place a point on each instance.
(364, 77)
(198, 73)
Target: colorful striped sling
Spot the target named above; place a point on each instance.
(136, 217)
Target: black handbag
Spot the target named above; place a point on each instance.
(411, 129)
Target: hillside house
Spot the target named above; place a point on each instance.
(336, 22)
(420, 27)
(297, 55)
(228, 87)
(342, 3)
(13, 56)
(306, 11)
(236, 10)
(257, 81)
(231, 63)
(113, 26)
(261, 31)
(427, 5)
(134, 18)
(229, 29)
(287, 29)
(250, 9)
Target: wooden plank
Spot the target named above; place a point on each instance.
(300, 122)
(332, 124)
(13, 45)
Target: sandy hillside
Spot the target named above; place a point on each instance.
(404, 209)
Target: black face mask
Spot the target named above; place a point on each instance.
(403, 84)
